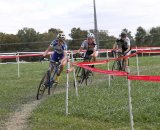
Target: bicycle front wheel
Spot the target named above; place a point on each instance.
(79, 76)
(42, 87)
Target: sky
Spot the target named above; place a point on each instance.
(112, 15)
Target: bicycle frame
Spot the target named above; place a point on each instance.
(120, 63)
(83, 74)
(52, 71)
(47, 80)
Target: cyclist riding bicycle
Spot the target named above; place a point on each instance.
(59, 54)
(123, 46)
(90, 46)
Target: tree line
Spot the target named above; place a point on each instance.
(28, 39)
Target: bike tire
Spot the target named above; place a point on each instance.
(89, 77)
(78, 74)
(116, 66)
(53, 85)
(42, 87)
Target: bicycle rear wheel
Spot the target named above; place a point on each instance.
(89, 77)
(116, 66)
(42, 87)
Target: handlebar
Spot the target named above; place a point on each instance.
(79, 55)
(53, 62)
(116, 52)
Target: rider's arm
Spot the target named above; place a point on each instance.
(82, 47)
(127, 49)
(46, 51)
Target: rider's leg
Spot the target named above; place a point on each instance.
(94, 55)
(124, 64)
(62, 67)
(126, 61)
(60, 71)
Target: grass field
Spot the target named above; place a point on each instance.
(98, 107)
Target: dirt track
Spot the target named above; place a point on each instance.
(18, 121)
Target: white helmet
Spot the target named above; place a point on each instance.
(90, 35)
(61, 36)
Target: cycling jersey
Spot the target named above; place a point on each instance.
(58, 50)
(123, 44)
(89, 46)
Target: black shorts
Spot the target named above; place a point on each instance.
(87, 55)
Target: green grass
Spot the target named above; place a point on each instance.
(98, 107)
(16, 91)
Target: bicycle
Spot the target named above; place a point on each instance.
(84, 74)
(48, 80)
(120, 63)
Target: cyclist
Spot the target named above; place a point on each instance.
(90, 46)
(59, 54)
(122, 45)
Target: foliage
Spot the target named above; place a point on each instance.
(26, 38)
(27, 35)
(151, 38)
(141, 33)
(8, 38)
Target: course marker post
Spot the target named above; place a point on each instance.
(130, 102)
(67, 84)
(17, 58)
(109, 77)
(75, 80)
(137, 61)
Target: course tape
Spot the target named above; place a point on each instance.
(110, 72)
(144, 78)
(119, 73)
(20, 56)
(101, 50)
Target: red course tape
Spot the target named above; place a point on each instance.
(144, 77)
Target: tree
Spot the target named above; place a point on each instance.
(154, 36)
(55, 31)
(27, 35)
(140, 36)
(2, 37)
(77, 36)
(77, 33)
(46, 36)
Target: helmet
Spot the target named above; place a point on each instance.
(123, 34)
(90, 35)
(61, 36)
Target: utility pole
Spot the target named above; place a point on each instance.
(95, 25)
